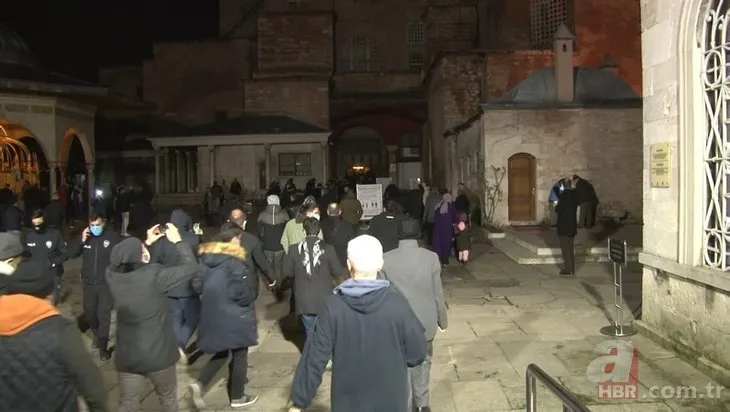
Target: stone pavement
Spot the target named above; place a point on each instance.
(502, 317)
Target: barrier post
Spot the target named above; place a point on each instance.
(618, 256)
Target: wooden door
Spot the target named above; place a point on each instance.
(521, 190)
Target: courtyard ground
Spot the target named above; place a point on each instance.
(502, 317)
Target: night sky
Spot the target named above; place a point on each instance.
(76, 37)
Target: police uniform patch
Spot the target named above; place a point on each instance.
(49, 244)
(106, 243)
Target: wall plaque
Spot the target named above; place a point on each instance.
(659, 165)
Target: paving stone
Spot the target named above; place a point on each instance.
(478, 396)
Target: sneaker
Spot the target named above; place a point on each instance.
(183, 357)
(243, 402)
(197, 394)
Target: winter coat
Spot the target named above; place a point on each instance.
(384, 227)
(351, 208)
(228, 314)
(146, 341)
(311, 291)
(294, 232)
(337, 233)
(272, 222)
(567, 210)
(165, 252)
(429, 210)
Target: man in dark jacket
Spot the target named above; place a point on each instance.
(416, 273)
(13, 219)
(183, 301)
(95, 246)
(272, 222)
(566, 209)
(146, 343)
(372, 332)
(255, 257)
(587, 200)
(384, 226)
(46, 246)
(54, 213)
(44, 364)
(337, 232)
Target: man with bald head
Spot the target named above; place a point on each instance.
(371, 330)
(255, 257)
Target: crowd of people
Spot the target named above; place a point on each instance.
(370, 304)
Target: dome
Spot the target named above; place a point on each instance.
(14, 50)
(591, 86)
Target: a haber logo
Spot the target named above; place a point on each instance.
(615, 370)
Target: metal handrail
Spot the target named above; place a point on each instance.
(535, 373)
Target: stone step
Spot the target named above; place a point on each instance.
(525, 256)
(598, 251)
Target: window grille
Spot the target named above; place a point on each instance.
(416, 33)
(546, 17)
(295, 164)
(716, 159)
(361, 55)
(415, 60)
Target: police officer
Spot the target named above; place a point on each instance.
(95, 245)
(46, 246)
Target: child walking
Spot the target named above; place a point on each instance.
(462, 239)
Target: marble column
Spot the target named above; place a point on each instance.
(211, 164)
(267, 164)
(190, 169)
(180, 165)
(325, 161)
(164, 188)
(158, 181)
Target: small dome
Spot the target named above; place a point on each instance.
(591, 86)
(14, 50)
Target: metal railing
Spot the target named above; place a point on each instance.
(535, 373)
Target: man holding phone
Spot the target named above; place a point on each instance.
(95, 246)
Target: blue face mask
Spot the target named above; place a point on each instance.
(96, 230)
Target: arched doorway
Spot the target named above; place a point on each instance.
(43, 180)
(75, 159)
(521, 188)
(360, 149)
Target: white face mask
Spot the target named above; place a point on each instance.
(315, 215)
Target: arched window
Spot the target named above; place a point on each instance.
(546, 16)
(361, 54)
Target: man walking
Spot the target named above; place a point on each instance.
(567, 226)
(372, 333)
(336, 232)
(587, 200)
(272, 222)
(416, 273)
(255, 257)
(95, 246)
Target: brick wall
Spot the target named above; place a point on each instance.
(305, 5)
(193, 80)
(450, 29)
(462, 74)
(389, 126)
(376, 82)
(230, 13)
(307, 98)
(506, 69)
(295, 42)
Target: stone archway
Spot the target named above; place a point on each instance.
(76, 166)
(360, 146)
(37, 153)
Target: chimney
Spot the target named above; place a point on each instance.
(609, 65)
(563, 58)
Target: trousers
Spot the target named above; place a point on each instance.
(567, 247)
(164, 382)
(237, 369)
(420, 377)
(98, 305)
(125, 223)
(185, 314)
(276, 262)
(56, 295)
(308, 321)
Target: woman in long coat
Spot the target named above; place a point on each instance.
(443, 228)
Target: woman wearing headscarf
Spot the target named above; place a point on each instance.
(228, 315)
(146, 343)
(313, 265)
(443, 228)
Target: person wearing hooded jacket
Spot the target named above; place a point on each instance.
(294, 231)
(369, 329)
(182, 299)
(272, 222)
(146, 343)
(41, 352)
(228, 314)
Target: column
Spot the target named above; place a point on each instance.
(325, 161)
(165, 187)
(211, 164)
(52, 176)
(91, 181)
(190, 168)
(158, 181)
(267, 164)
(63, 167)
(180, 165)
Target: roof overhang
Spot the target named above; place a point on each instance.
(240, 139)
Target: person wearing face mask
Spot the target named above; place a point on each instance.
(147, 347)
(46, 246)
(95, 246)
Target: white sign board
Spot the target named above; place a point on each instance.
(371, 199)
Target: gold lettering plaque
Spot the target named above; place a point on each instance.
(660, 165)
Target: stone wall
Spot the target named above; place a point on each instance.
(450, 28)
(685, 306)
(295, 42)
(124, 80)
(307, 98)
(601, 145)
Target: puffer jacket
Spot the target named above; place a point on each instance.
(272, 222)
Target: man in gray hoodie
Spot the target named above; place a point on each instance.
(272, 222)
(416, 273)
